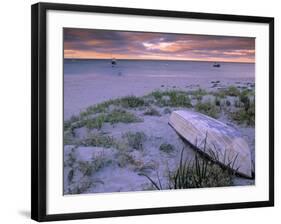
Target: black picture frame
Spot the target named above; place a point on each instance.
(39, 122)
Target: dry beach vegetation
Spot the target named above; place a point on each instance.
(126, 144)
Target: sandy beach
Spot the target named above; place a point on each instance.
(133, 141)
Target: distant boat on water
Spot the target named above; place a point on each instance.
(113, 62)
(216, 65)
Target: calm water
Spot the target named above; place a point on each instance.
(242, 71)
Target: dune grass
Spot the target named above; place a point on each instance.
(232, 91)
(173, 98)
(198, 173)
(98, 140)
(112, 117)
(165, 147)
(121, 110)
(126, 102)
(88, 168)
(198, 94)
(243, 116)
(80, 172)
(135, 139)
(207, 108)
(121, 116)
(245, 108)
(152, 112)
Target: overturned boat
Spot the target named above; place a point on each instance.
(218, 141)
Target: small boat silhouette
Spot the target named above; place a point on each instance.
(216, 65)
(113, 62)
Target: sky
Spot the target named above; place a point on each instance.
(106, 44)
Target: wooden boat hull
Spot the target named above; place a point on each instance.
(222, 143)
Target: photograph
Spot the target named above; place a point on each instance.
(146, 111)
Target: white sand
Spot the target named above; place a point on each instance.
(83, 91)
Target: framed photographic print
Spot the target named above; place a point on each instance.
(138, 111)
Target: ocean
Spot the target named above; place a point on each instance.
(151, 68)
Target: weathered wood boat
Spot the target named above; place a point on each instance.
(218, 141)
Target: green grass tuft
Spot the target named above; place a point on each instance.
(243, 116)
(67, 124)
(122, 116)
(87, 168)
(173, 98)
(168, 148)
(198, 94)
(112, 117)
(197, 174)
(96, 122)
(232, 91)
(152, 112)
(207, 108)
(98, 140)
(135, 140)
(131, 102)
(245, 100)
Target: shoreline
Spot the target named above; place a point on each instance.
(81, 94)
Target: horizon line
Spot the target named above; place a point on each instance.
(136, 59)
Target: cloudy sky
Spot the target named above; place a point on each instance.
(87, 43)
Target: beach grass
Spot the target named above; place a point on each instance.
(131, 102)
(207, 108)
(87, 168)
(112, 117)
(121, 116)
(231, 91)
(130, 147)
(68, 138)
(121, 110)
(198, 94)
(98, 140)
(243, 116)
(166, 147)
(83, 170)
(173, 98)
(126, 102)
(124, 159)
(135, 139)
(80, 188)
(152, 112)
(199, 173)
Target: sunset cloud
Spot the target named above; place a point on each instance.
(86, 43)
